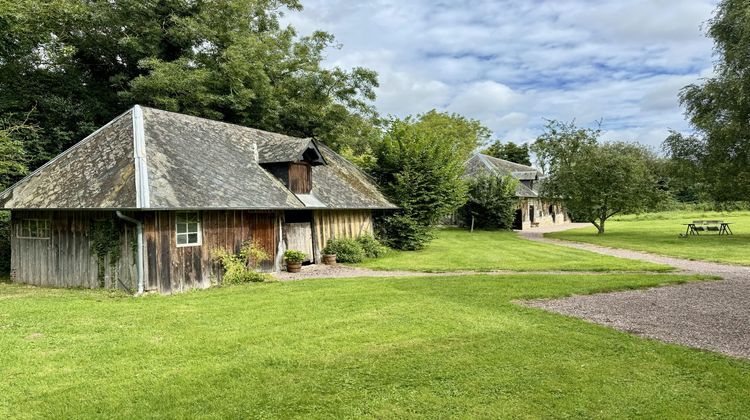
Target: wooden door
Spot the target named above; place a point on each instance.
(298, 236)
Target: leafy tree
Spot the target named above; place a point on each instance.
(80, 63)
(682, 169)
(12, 167)
(419, 165)
(595, 181)
(518, 153)
(719, 107)
(491, 202)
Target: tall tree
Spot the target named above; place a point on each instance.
(80, 63)
(682, 169)
(719, 107)
(419, 167)
(595, 181)
(518, 153)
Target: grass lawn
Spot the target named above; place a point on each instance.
(429, 347)
(658, 233)
(458, 249)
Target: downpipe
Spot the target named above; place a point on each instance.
(139, 258)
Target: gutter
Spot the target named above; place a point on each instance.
(139, 258)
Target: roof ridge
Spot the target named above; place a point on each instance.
(530, 168)
(140, 160)
(223, 122)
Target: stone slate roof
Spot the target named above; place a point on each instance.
(484, 164)
(340, 184)
(152, 159)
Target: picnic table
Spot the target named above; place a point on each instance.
(699, 226)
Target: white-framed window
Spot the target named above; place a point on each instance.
(34, 229)
(188, 228)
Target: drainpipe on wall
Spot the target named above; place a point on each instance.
(139, 257)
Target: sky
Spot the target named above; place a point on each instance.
(513, 64)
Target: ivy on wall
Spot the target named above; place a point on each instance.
(105, 241)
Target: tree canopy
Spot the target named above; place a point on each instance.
(491, 202)
(77, 64)
(419, 165)
(595, 181)
(719, 107)
(518, 153)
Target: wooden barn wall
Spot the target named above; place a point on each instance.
(171, 269)
(65, 258)
(329, 224)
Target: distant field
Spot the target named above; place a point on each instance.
(380, 348)
(659, 233)
(458, 250)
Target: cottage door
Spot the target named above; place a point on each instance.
(299, 238)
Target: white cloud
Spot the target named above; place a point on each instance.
(512, 63)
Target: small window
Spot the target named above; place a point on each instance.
(34, 229)
(188, 228)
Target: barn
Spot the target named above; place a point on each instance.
(533, 210)
(141, 203)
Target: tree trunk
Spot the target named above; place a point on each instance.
(600, 226)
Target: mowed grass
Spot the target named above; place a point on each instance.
(461, 250)
(659, 233)
(409, 347)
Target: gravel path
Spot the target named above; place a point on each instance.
(712, 315)
(316, 271)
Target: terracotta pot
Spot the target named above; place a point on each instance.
(293, 266)
(329, 259)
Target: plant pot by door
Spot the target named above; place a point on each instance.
(293, 266)
(329, 259)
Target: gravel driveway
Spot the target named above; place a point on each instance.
(712, 315)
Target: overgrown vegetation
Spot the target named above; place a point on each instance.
(104, 236)
(371, 247)
(4, 243)
(347, 250)
(491, 202)
(419, 167)
(243, 267)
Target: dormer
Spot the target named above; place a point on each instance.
(291, 161)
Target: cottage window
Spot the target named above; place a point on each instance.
(34, 229)
(188, 228)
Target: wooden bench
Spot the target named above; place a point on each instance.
(699, 226)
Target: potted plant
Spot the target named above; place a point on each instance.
(294, 260)
(329, 255)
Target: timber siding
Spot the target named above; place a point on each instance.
(65, 259)
(172, 269)
(330, 224)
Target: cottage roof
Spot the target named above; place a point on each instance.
(483, 164)
(152, 159)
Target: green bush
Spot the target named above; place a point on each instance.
(243, 267)
(399, 231)
(491, 203)
(292, 255)
(4, 243)
(371, 246)
(346, 250)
